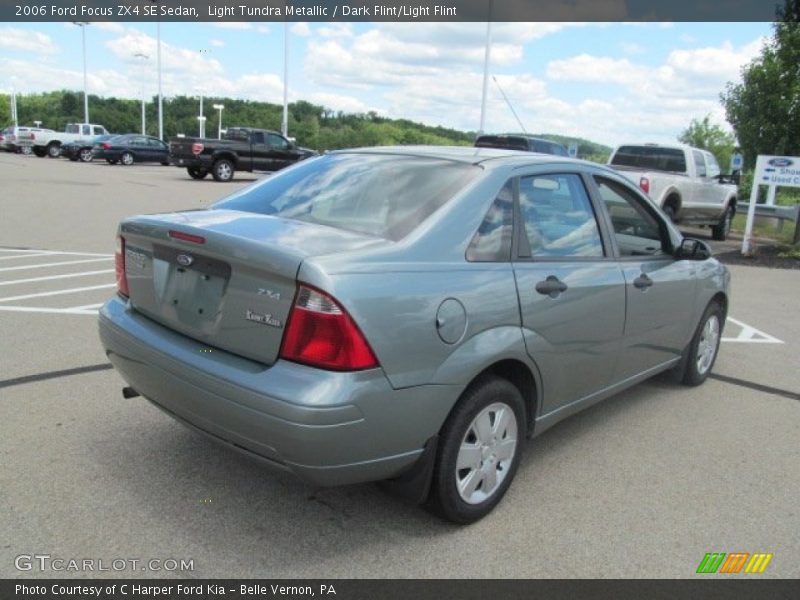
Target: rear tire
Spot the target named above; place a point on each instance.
(26, 150)
(721, 230)
(701, 354)
(40, 152)
(54, 150)
(222, 170)
(197, 172)
(86, 155)
(670, 211)
(479, 450)
(126, 159)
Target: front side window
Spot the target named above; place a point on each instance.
(636, 230)
(277, 141)
(558, 217)
(382, 195)
(713, 165)
(699, 163)
(492, 241)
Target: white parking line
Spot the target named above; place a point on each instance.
(67, 276)
(58, 292)
(43, 252)
(751, 335)
(86, 306)
(56, 264)
(58, 311)
(29, 255)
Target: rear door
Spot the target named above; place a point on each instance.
(659, 290)
(571, 290)
(260, 152)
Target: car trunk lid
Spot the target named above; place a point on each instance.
(225, 278)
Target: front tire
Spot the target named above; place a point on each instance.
(699, 357)
(479, 449)
(126, 159)
(721, 230)
(222, 170)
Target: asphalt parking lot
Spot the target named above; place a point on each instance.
(641, 485)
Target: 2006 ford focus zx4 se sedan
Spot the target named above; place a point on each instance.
(409, 314)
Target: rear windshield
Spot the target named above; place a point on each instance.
(505, 142)
(650, 158)
(382, 195)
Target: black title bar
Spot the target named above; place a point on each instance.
(388, 10)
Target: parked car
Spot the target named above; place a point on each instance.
(409, 314)
(21, 139)
(49, 144)
(519, 141)
(242, 149)
(684, 181)
(130, 148)
(83, 150)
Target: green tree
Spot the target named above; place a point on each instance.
(764, 109)
(708, 136)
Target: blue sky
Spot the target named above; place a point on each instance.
(603, 81)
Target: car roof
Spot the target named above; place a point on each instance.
(467, 154)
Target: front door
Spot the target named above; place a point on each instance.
(571, 289)
(659, 290)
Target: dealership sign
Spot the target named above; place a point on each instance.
(778, 170)
(774, 172)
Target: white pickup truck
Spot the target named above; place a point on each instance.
(49, 144)
(684, 181)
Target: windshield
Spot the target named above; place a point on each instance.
(383, 195)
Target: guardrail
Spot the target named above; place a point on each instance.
(782, 213)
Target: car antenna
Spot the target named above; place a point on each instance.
(509, 104)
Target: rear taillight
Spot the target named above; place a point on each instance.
(119, 266)
(197, 148)
(186, 237)
(105, 146)
(33, 136)
(321, 334)
(644, 184)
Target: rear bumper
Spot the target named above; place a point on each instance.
(327, 428)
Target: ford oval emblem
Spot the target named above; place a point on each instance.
(780, 162)
(185, 259)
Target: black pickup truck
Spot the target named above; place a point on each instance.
(241, 149)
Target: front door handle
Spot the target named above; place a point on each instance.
(642, 282)
(552, 286)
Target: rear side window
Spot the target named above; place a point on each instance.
(492, 241)
(383, 195)
(650, 158)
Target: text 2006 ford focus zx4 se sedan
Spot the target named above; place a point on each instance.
(409, 314)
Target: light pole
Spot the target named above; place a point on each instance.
(201, 119)
(144, 57)
(285, 119)
(219, 107)
(82, 25)
(486, 58)
(160, 97)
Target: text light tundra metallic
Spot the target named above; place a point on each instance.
(409, 314)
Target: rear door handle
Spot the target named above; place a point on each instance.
(642, 282)
(552, 286)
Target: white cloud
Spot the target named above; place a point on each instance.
(336, 30)
(235, 25)
(262, 29)
(341, 102)
(26, 40)
(631, 48)
(217, 43)
(301, 29)
(108, 26)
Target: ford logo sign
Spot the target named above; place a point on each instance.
(780, 162)
(184, 259)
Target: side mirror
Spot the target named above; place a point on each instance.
(692, 249)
